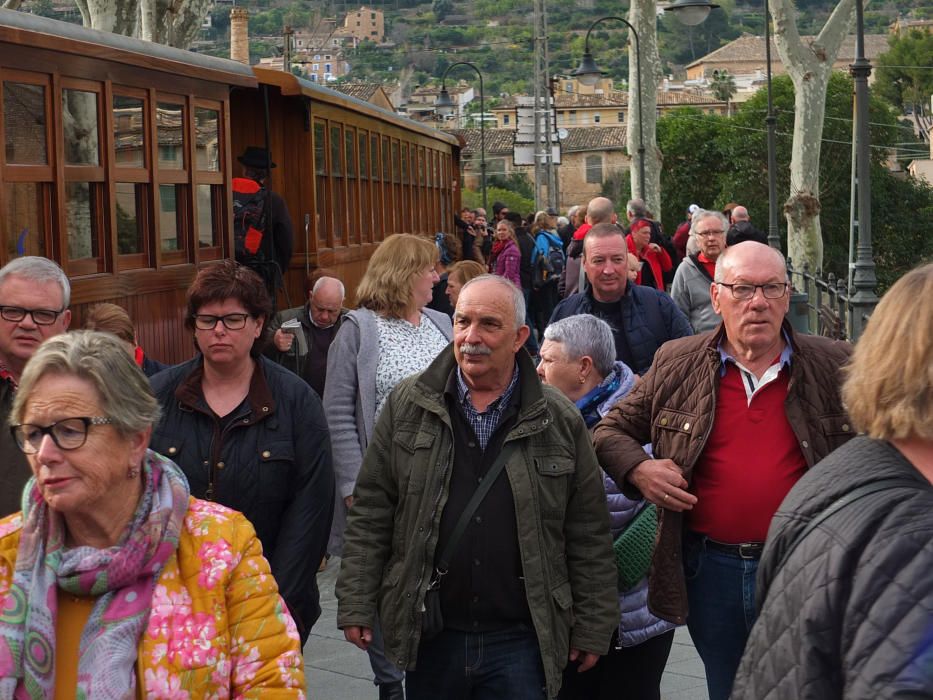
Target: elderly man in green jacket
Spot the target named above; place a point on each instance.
(531, 583)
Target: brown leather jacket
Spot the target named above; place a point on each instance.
(673, 408)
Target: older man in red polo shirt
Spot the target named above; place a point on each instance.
(735, 415)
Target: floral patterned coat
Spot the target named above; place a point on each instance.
(217, 627)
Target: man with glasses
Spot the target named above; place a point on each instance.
(735, 417)
(34, 296)
(690, 289)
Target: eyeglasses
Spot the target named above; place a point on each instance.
(232, 322)
(744, 292)
(41, 317)
(68, 433)
(707, 234)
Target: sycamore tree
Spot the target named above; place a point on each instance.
(172, 22)
(809, 65)
(643, 16)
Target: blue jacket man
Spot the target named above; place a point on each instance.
(642, 318)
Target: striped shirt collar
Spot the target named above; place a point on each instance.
(484, 424)
(750, 381)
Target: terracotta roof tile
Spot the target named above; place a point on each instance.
(752, 48)
(361, 91)
(499, 142)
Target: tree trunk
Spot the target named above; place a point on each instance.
(809, 67)
(171, 22)
(643, 16)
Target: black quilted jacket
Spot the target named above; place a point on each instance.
(850, 614)
(272, 462)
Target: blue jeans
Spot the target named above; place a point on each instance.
(500, 665)
(721, 595)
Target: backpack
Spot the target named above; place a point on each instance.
(249, 220)
(548, 267)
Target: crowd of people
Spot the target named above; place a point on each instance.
(537, 446)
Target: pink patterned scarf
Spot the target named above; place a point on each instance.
(121, 578)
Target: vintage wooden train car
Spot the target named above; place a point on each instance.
(119, 156)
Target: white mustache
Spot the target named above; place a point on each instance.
(469, 349)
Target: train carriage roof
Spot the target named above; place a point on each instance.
(63, 37)
(291, 84)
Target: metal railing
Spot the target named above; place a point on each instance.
(825, 306)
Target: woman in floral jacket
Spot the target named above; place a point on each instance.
(113, 580)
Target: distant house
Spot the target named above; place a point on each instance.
(608, 108)
(374, 93)
(421, 103)
(366, 24)
(746, 56)
(588, 155)
(902, 25)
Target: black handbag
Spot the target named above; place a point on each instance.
(432, 619)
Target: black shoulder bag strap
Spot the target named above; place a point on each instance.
(443, 564)
(842, 502)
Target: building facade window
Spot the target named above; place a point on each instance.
(594, 170)
(597, 118)
(505, 120)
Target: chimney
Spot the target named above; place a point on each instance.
(239, 35)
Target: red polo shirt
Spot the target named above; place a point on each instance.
(750, 461)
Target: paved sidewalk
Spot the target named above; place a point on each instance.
(337, 670)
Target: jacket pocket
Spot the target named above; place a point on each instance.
(413, 445)
(672, 432)
(837, 428)
(554, 477)
(276, 461)
(562, 614)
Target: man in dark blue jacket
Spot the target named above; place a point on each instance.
(642, 318)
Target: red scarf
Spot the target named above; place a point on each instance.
(497, 247)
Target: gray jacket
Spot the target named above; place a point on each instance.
(561, 520)
(848, 614)
(350, 400)
(690, 291)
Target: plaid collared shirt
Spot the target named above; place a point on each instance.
(484, 424)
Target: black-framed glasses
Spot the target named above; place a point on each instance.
(41, 317)
(744, 292)
(68, 433)
(232, 322)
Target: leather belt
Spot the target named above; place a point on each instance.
(744, 550)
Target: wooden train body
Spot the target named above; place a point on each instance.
(119, 156)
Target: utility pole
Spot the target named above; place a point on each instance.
(287, 52)
(540, 75)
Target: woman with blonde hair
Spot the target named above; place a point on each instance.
(391, 336)
(458, 275)
(844, 576)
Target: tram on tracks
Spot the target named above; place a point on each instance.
(119, 155)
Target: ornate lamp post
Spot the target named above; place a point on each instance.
(588, 73)
(445, 106)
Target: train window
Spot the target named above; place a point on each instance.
(353, 193)
(338, 203)
(130, 205)
(171, 219)
(170, 131)
(207, 130)
(385, 158)
(82, 220)
(25, 118)
(207, 232)
(80, 126)
(364, 150)
(26, 207)
(404, 164)
(320, 178)
(129, 132)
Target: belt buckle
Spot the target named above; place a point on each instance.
(749, 550)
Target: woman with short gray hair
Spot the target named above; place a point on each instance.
(578, 357)
(112, 576)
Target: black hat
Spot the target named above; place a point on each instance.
(256, 157)
(551, 211)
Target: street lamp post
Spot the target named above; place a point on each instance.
(588, 73)
(444, 105)
(863, 297)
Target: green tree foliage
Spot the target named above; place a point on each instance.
(516, 181)
(723, 86)
(711, 160)
(513, 200)
(617, 186)
(904, 74)
(441, 9)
